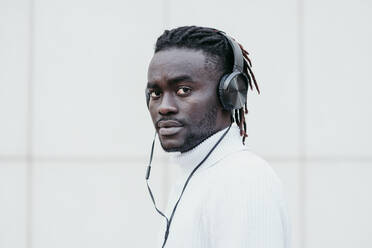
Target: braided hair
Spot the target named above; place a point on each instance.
(216, 46)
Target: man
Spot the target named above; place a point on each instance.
(226, 196)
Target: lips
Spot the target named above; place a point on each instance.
(169, 127)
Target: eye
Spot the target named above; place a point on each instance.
(183, 91)
(155, 94)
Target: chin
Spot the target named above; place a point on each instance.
(171, 148)
(170, 145)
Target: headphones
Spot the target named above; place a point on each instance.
(233, 87)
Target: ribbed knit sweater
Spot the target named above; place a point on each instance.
(233, 200)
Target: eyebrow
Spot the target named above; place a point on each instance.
(174, 80)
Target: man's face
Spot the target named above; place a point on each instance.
(183, 98)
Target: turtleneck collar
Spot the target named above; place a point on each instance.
(187, 161)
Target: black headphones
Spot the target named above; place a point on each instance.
(233, 87)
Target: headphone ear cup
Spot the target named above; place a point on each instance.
(221, 91)
(232, 90)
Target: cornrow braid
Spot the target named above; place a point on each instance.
(215, 44)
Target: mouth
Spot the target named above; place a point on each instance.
(169, 127)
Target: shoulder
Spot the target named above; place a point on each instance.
(246, 195)
(248, 165)
(245, 173)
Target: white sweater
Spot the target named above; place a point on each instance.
(233, 200)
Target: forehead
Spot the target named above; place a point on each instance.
(177, 61)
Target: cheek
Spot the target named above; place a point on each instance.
(199, 107)
(153, 115)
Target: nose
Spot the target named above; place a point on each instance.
(167, 105)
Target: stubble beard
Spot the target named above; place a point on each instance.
(199, 132)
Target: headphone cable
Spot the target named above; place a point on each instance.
(169, 221)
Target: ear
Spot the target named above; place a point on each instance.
(147, 93)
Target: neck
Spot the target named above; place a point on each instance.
(188, 160)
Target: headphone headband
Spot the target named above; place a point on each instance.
(238, 54)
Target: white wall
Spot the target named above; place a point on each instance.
(75, 133)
